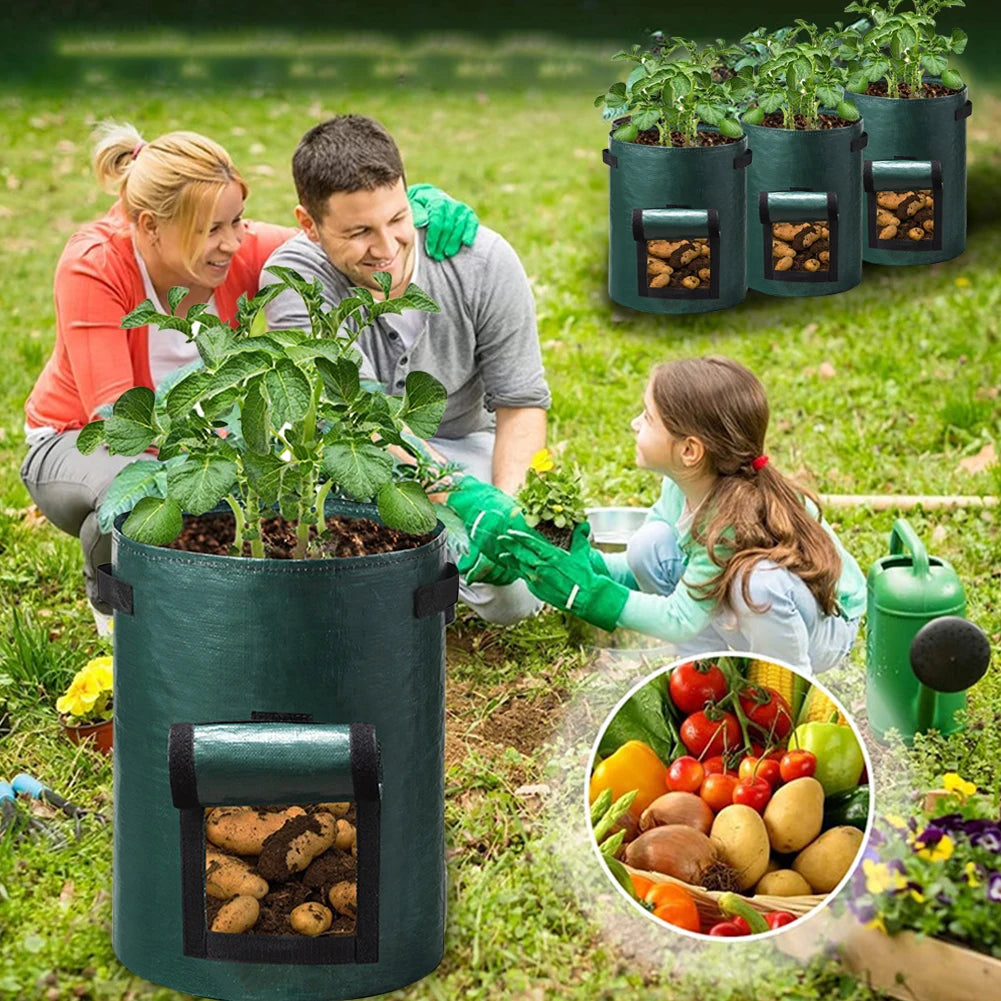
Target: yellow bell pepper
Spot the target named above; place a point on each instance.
(634, 765)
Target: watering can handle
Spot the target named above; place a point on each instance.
(904, 538)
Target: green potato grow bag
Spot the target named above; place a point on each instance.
(676, 226)
(314, 686)
(914, 178)
(804, 195)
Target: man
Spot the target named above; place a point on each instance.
(483, 345)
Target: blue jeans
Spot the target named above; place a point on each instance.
(793, 628)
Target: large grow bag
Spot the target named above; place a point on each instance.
(807, 183)
(916, 145)
(277, 677)
(689, 197)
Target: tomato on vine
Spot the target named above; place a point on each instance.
(717, 791)
(766, 710)
(754, 793)
(710, 731)
(685, 774)
(761, 768)
(797, 765)
(696, 683)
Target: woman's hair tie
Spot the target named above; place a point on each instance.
(138, 146)
(759, 463)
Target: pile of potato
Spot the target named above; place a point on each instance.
(678, 263)
(905, 215)
(783, 853)
(283, 842)
(801, 246)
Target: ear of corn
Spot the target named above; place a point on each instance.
(790, 685)
(818, 708)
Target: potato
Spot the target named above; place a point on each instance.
(795, 814)
(233, 878)
(740, 836)
(661, 280)
(783, 264)
(825, 862)
(811, 264)
(311, 919)
(783, 883)
(305, 847)
(242, 829)
(334, 809)
(690, 281)
(343, 898)
(345, 836)
(888, 233)
(237, 915)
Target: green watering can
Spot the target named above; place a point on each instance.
(921, 653)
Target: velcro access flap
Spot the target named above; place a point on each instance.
(797, 206)
(894, 175)
(674, 223)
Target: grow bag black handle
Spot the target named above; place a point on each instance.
(610, 158)
(859, 143)
(243, 763)
(743, 160)
(674, 223)
(112, 591)
(438, 596)
(965, 111)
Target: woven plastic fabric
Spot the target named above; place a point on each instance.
(217, 639)
(649, 184)
(921, 129)
(813, 164)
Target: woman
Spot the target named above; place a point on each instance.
(178, 221)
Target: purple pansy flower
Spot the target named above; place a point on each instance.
(950, 823)
(994, 887)
(864, 911)
(990, 839)
(930, 836)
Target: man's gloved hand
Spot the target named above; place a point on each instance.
(450, 224)
(477, 569)
(570, 580)
(486, 512)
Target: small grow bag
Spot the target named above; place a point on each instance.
(319, 654)
(914, 177)
(676, 226)
(803, 205)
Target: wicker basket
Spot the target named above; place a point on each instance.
(706, 900)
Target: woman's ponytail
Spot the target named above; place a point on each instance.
(114, 146)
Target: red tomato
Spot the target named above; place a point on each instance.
(760, 768)
(685, 774)
(779, 918)
(754, 793)
(742, 924)
(797, 765)
(727, 929)
(703, 735)
(694, 684)
(717, 791)
(675, 905)
(768, 711)
(717, 765)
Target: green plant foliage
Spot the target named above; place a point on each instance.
(901, 46)
(306, 424)
(674, 87)
(551, 493)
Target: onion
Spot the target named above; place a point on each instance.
(678, 808)
(684, 853)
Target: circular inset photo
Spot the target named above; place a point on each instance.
(729, 796)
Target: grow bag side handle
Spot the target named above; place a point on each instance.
(608, 157)
(743, 160)
(438, 596)
(114, 592)
(964, 111)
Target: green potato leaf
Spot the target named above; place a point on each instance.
(360, 468)
(405, 506)
(154, 521)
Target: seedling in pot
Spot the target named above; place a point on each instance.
(673, 96)
(551, 500)
(900, 47)
(798, 77)
(272, 419)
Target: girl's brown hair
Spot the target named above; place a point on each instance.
(178, 178)
(749, 515)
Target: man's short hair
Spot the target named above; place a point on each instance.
(347, 153)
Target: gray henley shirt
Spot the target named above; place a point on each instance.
(483, 345)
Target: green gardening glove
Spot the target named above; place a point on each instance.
(486, 512)
(450, 224)
(565, 579)
(477, 569)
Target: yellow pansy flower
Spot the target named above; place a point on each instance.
(940, 852)
(879, 878)
(919, 897)
(971, 874)
(877, 923)
(542, 461)
(958, 786)
(896, 821)
(89, 684)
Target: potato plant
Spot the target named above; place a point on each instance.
(792, 70)
(901, 46)
(673, 95)
(272, 418)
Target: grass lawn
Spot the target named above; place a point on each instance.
(886, 388)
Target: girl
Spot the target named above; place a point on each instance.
(731, 555)
(178, 221)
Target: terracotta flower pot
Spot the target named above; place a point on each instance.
(101, 733)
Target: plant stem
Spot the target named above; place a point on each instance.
(303, 520)
(234, 504)
(321, 501)
(254, 524)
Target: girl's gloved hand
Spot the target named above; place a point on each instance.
(563, 579)
(451, 224)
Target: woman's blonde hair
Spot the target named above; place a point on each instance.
(178, 177)
(750, 514)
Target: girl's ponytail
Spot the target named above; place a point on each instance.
(114, 148)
